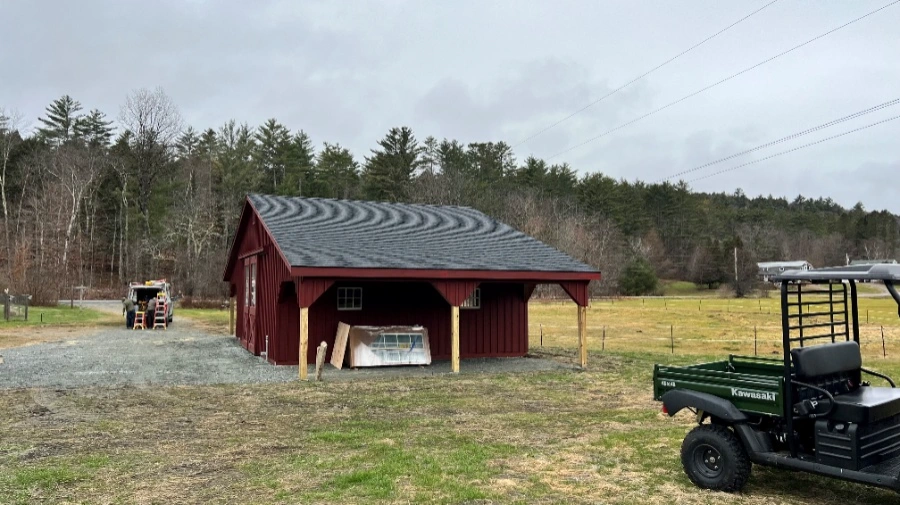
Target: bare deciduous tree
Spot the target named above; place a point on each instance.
(76, 169)
(9, 137)
(153, 121)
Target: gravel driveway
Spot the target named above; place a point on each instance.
(184, 354)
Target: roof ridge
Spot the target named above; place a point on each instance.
(377, 202)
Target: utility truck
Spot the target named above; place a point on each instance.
(809, 409)
(142, 292)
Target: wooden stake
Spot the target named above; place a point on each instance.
(231, 316)
(320, 359)
(454, 338)
(867, 316)
(672, 337)
(542, 335)
(603, 342)
(582, 335)
(304, 340)
(883, 347)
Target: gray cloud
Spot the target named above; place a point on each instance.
(347, 71)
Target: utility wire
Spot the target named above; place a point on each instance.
(826, 139)
(732, 76)
(645, 74)
(792, 136)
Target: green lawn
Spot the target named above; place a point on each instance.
(682, 288)
(212, 320)
(593, 436)
(60, 316)
(551, 437)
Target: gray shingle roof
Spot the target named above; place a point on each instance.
(318, 232)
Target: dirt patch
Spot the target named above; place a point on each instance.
(30, 335)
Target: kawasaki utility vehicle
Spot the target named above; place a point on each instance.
(809, 410)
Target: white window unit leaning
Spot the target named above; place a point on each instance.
(473, 301)
(388, 345)
(349, 298)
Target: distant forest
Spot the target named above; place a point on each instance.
(88, 201)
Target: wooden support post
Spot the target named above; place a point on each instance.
(231, 316)
(304, 340)
(454, 338)
(582, 335)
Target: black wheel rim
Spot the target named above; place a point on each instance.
(708, 461)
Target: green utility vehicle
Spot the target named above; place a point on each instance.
(809, 410)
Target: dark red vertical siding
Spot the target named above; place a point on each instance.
(455, 292)
(498, 328)
(271, 271)
(312, 289)
(577, 291)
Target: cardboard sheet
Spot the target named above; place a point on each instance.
(340, 345)
(389, 345)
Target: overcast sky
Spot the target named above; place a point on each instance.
(347, 71)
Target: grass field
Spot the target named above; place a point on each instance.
(212, 320)
(51, 323)
(60, 316)
(561, 437)
(593, 436)
(696, 325)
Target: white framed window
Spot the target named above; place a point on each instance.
(349, 298)
(473, 301)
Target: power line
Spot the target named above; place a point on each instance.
(722, 81)
(792, 136)
(826, 139)
(645, 74)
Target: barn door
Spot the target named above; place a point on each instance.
(250, 265)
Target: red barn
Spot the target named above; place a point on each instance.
(298, 266)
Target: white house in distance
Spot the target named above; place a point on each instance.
(768, 269)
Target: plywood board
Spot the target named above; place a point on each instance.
(340, 345)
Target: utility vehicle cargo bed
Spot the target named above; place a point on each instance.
(752, 384)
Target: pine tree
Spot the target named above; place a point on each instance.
(431, 155)
(389, 171)
(301, 177)
(94, 129)
(337, 171)
(273, 142)
(187, 144)
(60, 124)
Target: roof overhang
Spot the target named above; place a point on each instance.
(430, 274)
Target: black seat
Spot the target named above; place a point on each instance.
(836, 368)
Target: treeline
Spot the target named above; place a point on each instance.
(90, 202)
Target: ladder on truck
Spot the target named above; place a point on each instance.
(161, 315)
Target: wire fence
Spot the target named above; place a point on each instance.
(15, 307)
(697, 326)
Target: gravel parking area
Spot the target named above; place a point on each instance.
(185, 355)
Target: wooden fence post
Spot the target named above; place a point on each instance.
(320, 359)
(755, 353)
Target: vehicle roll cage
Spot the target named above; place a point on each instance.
(816, 305)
